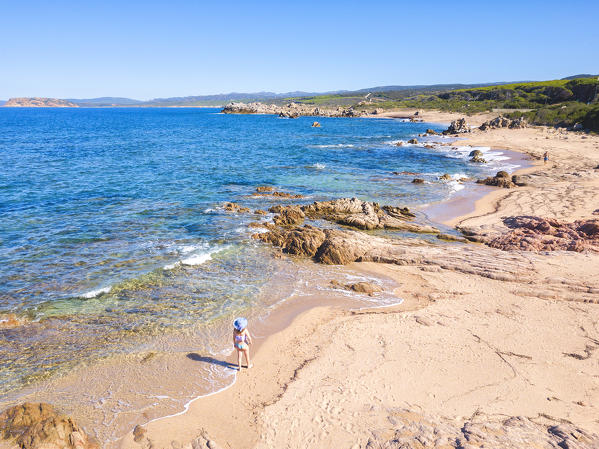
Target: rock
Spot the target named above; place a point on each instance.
(477, 157)
(476, 153)
(304, 241)
(39, 426)
(432, 132)
(398, 212)
(423, 321)
(417, 181)
(290, 215)
(365, 287)
(263, 189)
(342, 247)
(529, 233)
(10, 320)
(501, 179)
(502, 122)
(457, 127)
(315, 125)
(445, 177)
(234, 207)
(411, 173)
(399, 144)
(139, 433)
(451, 238)
(260, 212)
(429, 146)
(413, 141)
(518, 181)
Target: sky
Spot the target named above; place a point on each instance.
(148, 49)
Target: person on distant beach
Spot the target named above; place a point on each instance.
(241, 341)
(546, 157)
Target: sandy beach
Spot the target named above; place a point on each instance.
(508, 359)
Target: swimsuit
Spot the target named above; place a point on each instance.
(240, 342)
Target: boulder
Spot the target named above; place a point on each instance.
(478, 160)
(263, 189)
(399, 144)
(476, 153)
(445, 177)
(315, 125)
(234, 207)
(303, 241)
(260, 212)
(39, 426)
(417, 181)
(365, 287)
(413, 141)
(501, 179)
(432, 132)
(288, 216)
(457, 127)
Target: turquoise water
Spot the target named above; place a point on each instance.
(112, 229)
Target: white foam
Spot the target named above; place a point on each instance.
(338, 145)
(318, 166)
(198, 259)
(98, 292)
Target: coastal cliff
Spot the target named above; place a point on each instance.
(39, 102)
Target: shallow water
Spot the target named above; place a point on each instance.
(112, 235)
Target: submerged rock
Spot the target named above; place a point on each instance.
(417, 181)
(234, 207)
(413, 141)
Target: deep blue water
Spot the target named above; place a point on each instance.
(99, 207)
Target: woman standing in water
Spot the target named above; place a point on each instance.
(242, 340)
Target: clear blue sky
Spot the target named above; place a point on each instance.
(146, 49)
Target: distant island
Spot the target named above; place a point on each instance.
(39, 102)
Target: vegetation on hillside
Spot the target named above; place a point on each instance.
(557, 102)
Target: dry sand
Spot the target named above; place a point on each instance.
(462, 347)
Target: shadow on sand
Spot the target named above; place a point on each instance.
(207, 359)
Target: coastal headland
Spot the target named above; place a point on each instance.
(495, 344)
(491, 347)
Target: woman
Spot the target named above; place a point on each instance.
(241, 341)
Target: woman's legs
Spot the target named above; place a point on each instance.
(246, 352)
(239, 358)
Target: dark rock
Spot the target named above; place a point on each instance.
(432, 132)
(413, 141)
(234, 207)
(501, 179)
(417, 181)
(502, 122)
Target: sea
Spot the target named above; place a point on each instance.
(114, 240)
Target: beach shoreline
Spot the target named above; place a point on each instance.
(263, 392)
(301, 336)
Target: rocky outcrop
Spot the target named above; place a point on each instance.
(270, 191)
(539, 234)
(501, 179)
(39, 102)
(417, 181)
(431, 132)
(477, 157)
(413, 141)
(413, 430)
(458, 126)
(234, 207)
(290, 110)
(502, 122)
(315, 125)
(39, 426)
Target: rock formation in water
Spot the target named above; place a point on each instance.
(38, 102)
(39, 426)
